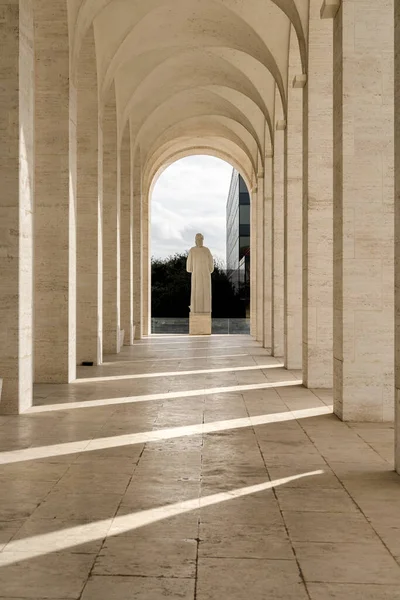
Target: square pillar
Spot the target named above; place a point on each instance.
(146, 267)
(55, 197)
(111, 231)
(260, 259)
(318, 205)
(16, 210)
(137, 241)
(126, 240)
(278, 230)
(268, 307)
(293, 217)
(397, 228)
(253, 262)
(89, 263)
(363, 235)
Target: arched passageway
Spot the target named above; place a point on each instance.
(96, 98)
(199, 193)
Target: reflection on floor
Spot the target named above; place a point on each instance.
(216, 477)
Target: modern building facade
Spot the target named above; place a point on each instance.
(238, 231)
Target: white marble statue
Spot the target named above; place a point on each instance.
(200, 264)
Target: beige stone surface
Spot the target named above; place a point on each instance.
(137, 243)
(111, 230)
(126, 239)
(146, 266)
(157, 477)
(293, 203)
(363, 212)
(16, 205)
(318, 206)
(397, 225)
(89, 266)
(260, 259)
(278, 234)
(198, 466)
(268, 253)
(253, 263)
(55, 198)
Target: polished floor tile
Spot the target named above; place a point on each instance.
(177, 470)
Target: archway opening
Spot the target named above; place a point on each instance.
(200, 194)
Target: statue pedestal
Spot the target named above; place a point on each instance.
(200, 324)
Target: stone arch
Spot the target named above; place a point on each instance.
(209, 127)
(182, 148)
(188, 25)
(175, 74)
(198, 104)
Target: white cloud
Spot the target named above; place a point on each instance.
(190, 197)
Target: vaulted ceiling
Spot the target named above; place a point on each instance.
(194, 75)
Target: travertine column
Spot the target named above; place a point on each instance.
(253, 263)
(137, 263)
(55, 197)
(317, 204)
(111, 231)
(397, 226)
(89, 211)
(278, 231)
(268, 192)
(260, 259)
(146, 266)
(137, 241)
(16, 206)
(126, 240)
(293, 217)
(363, 211)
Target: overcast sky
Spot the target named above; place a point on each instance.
(188, 198)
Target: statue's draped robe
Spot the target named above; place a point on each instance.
(200, 264)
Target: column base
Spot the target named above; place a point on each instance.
(200, 324)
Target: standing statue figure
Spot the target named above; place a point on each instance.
(200, 264)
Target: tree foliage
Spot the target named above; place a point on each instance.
(170, 290)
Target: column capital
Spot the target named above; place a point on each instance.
(280, 125)
(330, 8)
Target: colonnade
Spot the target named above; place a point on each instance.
(78, 159)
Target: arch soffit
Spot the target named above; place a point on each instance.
(151, 177)
(215, 142)
(193, 131)
(190, 24)
(199, 102)
(183, 70)
(212, 126)
(82, 14)
(246, 105)
(189, 104)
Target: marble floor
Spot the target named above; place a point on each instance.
(195, 469)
